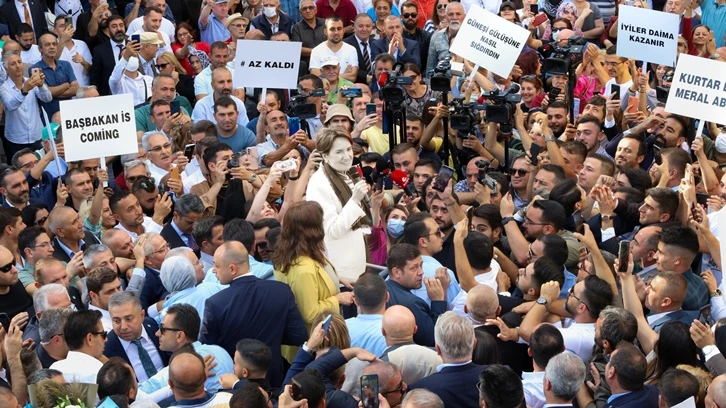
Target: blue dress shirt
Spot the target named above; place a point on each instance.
(22, 114)
(430, 265)
(62, 73)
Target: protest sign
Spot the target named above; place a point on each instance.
(489, 41)
(98, 127)
(698, 89)
(266, 64)
(648, 35)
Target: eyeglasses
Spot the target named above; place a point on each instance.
(612, 64)
(162, 66)
(101, 333)
(530, 222)
(29, 165)
(163, 249)
(163, 329)
(530, 253)
(262, 246)
(398, 389)
(571, 292)
(437, 232)
(157, 149)
(308, 8)
(43, 245)
(409, 15)
(41, 221)
(240, 25)
(134, 178)
(7, 268)
(557, 29)
(520, 172)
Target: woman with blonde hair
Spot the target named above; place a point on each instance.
(168, 63)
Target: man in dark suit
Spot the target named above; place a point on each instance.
(251, 308)
(455, 382)
(70, 237)
(625, 374)
(134, 336)
(499, 386)
(406, 273)
(664, 298)
(188, 210)
(361, 41)
(107, 53)
(15, 13)
(402, 49)
(282, 20)
(155, 250)
(564, 375)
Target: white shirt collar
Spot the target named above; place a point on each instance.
(655, 317)
(144, 336)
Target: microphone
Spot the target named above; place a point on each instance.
(400, 178)
(382, 79)
(513, 88)
(383, 167)
(355, 173)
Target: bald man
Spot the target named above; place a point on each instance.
(482, 304)
(716, 395)
(187, 375)
(251, 308)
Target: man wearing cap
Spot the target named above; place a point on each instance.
(331, 71)
(152, 24)
(151, 44)
(213, 21)
(402, 49)
(237, 26)
(59, 74)
(135, 24)
(340, 118)
(310, 31)
(334, 46)
(272, 20)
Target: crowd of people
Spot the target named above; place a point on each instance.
(358, 242)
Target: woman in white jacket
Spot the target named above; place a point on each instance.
(343, 196)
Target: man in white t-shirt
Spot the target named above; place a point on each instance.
(335, 47)
(619, 70)
(152, 23)
(75, 52)
(166, 27)
(29, 52)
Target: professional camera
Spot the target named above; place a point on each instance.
(391, 84)
(300, 108)
(483, 178)
(441, 76)
(564, 58)
(465, 115)
(501, 105)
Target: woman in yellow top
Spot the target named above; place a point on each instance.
(299, 260)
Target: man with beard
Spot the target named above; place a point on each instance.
(619, 70)
(441, 205)
(111, 39)
(59, 74)
(162, 88)
(229, 130)
(441, 40)
(589, 132)
(279, 142)
(119, 243)
(410, 16)
(584, 303)
(127, 211)
(218, 55)
(89, 24)
(335, 47)
(26, 38)
(222, 86)
(557, 112)
(153, 17)
(630, 152)
(672, 170)
(79, 186)
(14, 188)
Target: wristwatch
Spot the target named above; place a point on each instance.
(542, 301)
(716, 292)
(550, 139)
(308, 349)
(607, 218)
(253, 177)
(506, 220)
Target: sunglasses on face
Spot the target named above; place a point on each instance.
(41, 221)
(161, 66)
(7, 268)
(520, 172)
(409, 15)
(102, 334)
(440, 6)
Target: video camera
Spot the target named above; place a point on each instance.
(391, 84)
(501, 105)
(300, 108)
(465, 115)
(564, 58)
(661, 91)
(440, 80)
(483, 178)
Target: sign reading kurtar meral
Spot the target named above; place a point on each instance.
(267, 64)
(648, 35)
(698, 89)
(98, 127)
(489, 41)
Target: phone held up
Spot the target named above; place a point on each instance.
(443, 178)
(369, 390)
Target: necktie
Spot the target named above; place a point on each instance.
(366, 57)
(191, 242)
(145, 359)
(120, 50)
(28, 20)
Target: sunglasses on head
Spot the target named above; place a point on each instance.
(7, 268)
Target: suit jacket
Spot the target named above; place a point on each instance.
(645, 397)
(171, 237)
(61, 255)
(153, 290)
(511, 353)
(716, 365)
(679, 315)
(285, 24)
(363, 71)
(102, 67)
(425, 316)
(412, 54)
(259, 309)
(456, 386)
(115, 349)
(9, 15)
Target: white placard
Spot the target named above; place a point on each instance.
(267, 64)
(97, 127)
(648, 35)
(489, 41)
(698, 89)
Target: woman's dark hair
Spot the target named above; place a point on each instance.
(674, 347)
(187, 27)
(28, 214)
(302, 234)
(567, 194)
(528, 61)
(638, 178)
(413, 68)
(435, 15)
(563, 20)
(486, 351)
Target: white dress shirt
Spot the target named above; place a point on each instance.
(132, 352)
(149, 226)
(579, 338)
(157, 172)
(192, 180)
(489, 279)
(22, 114)
(137, 25)
(120, 83)
(78, 367)
(533, 386)
(79, 47)
(115, 49)
(105, 318)
(19, 6)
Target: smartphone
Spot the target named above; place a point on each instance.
(541, 18)
(297, 394)
(705, 314)
(534, 153)
(175, 107)
(370, 109)
(702, 198)
(657, 155)
(69, 20)
(410, 190)
(136, 37)
(576, 107)
(369, 390)
(174, 174)
(326, 324)
(491, 183)
(632, 105)
(534, 8)
(623, 254)
(294, 124)
(5, 321)
(189, 150)
(554, 93)
(351, 93)
(615, 90)
(443, 178)
(35, 71)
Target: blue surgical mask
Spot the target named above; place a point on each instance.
(395, 227)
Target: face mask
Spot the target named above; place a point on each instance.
(395, 227)
(270, 11)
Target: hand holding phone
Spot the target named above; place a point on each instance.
(369, 390)
(371, 109)
(443, 178)
(623, 255)
(326, 323)
(615, 90)
(136, 37)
